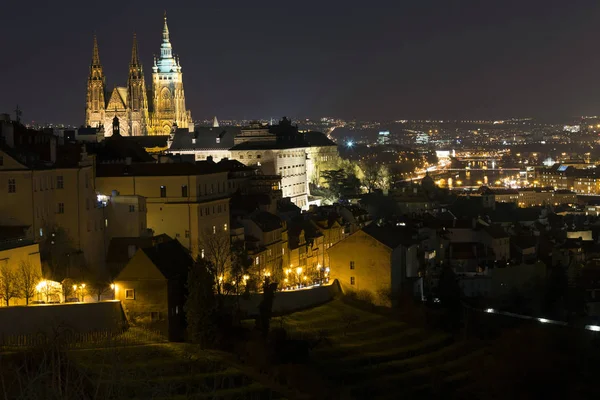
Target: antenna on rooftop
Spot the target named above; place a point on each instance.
(18, 113)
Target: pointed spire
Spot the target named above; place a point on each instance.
(165, 29)
(215, 122)
(96, 54)
(135, 60)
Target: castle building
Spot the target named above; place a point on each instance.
(142, 110)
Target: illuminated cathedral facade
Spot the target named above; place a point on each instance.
(142, 110)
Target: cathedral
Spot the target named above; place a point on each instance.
(156, 109)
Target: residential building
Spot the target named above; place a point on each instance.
(380, 260)
(152, 288)
(50, 189)
(266, 240)
(18, 252)
(183, 200)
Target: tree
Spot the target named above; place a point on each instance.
(216, 248)
(99, 287)
(265, 308)
(449, 293)
(9, 283)
(59, 255)
(371, 175)
(334, 180)
(28, 278)
(201, 306)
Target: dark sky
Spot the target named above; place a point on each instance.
(352, 59)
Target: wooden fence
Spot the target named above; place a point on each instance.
(70, 339)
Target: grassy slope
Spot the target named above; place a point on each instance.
(377, 357)
(165, 371)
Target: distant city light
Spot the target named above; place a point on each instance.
(543, 320)
(349, 144)
(594, 328)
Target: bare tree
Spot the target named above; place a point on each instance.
(9, 284)
(27, 278)
(215, 247)
(98, 288)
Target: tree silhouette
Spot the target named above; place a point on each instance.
(28, 278)
(9, 283)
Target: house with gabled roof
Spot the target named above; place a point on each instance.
(152, 288)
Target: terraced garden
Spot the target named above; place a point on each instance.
(166, 371)
(134, 365)
(375, 357)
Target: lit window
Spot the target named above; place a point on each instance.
(41, 232)
(218, 140)
(214, 229)
(163, 191)
(129, 294)
(202, 253)
(225, 227)
(106, 222)
(256, 261)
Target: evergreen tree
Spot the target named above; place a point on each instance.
(201, 307)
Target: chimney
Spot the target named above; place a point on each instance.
(53, 149)
(209, 158)
(7, 131)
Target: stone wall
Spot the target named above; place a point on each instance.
(79, 317)
(287, 302)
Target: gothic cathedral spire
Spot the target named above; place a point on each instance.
(168, 96)
(137, 99)
(95, 105)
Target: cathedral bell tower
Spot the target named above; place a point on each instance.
(137, 100)
(167, 89)
(95, 106)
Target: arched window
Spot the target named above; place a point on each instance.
(165, 102)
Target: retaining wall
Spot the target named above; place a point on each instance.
(287, 302)
(46, 318)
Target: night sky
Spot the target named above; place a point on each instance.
(351, 59)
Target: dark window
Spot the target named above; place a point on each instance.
(163, 191)
(187, 234)
(129, 294)
(155, 316)
(131, 208)
(12, 186)
(184, 191)
(61, 208)
(351, 264)
(1, 160)
(60, 183)
(352, 280)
